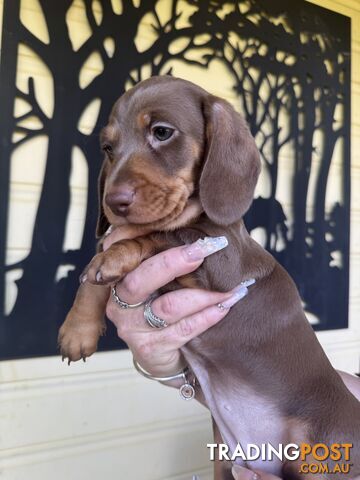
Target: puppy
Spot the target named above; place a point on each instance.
(181, 164)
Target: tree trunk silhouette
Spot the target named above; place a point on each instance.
(301, 183)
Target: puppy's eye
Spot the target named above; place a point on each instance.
(162, 133)
(107, 148)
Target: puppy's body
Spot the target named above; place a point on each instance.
(263, 373)
(273, 384)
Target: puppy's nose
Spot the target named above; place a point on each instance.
(120, 200)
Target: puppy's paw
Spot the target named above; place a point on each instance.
(78, 339)
(104, 269)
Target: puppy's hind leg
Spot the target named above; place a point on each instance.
(85, 323)
(222, 468)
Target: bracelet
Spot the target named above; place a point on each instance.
(187, 391)
(145, 374)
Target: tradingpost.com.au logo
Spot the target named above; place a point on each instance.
(317, 458)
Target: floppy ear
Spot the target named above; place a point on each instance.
(231, 165)
(102, 222)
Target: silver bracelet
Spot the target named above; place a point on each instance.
(187, 391)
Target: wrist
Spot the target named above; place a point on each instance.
(162, 367)
(187, 384)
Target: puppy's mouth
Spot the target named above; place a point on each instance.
(148, 205)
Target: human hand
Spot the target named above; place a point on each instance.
(188, 312)
(241, 473)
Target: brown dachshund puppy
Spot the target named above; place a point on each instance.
(181, 164)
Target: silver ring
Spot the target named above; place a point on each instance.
(153, 320)
(123, 304)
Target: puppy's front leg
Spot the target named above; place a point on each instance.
(79, 334)
(109, 267)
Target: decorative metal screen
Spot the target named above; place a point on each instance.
(288, 67)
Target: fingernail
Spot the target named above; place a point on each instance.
(247, 283)
(241, 473)
(204, 247)
(239, 292)
(83, 278)
(108, 231)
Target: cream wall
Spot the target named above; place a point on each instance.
(102, 420)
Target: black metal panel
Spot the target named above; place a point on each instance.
(289, 59)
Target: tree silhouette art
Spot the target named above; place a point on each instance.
(290, 70)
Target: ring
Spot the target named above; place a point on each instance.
(153, 320)
(123, 304)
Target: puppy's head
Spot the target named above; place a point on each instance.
(169, 143)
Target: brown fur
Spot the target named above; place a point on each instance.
(262, 369)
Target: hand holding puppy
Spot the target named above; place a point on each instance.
(187, 312)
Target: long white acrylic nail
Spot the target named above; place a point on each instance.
(204, 247)
(239, 292)
(247, 283)
(109, 230)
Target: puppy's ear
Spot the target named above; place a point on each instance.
(102, 222)
(231, 165)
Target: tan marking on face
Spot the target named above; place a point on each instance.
(195, 149)
(161, 199)
(110, 133)
(143, 120)
(158, 195)
(186, 174)
(192, 210)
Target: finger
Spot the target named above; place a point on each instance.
(174, 306)
(161, 269)
(177, 335)
(241, 473)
